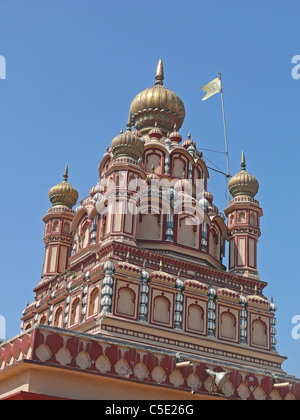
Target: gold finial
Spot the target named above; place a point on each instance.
(243, 161)
(159, 73)
(121, 131)
(66, 174)
(189, 135)
(255, 290)
(160, 265)
(127, 257)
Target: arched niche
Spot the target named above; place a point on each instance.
(179, 166)
(161, 310)
(195, 318)
(187, 230)
(259, 333)
(228, 326)
(93, 302)
(149, 227)
(153, 161)
(126, 301)
(75, 312)
(58, 318)
(214, 243)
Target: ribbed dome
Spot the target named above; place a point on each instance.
(243, 183)
(189, 142)
(157, 104)
(63, 194)
(127, 145)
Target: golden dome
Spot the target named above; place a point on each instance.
(243, 183)
(157, 104)
(127, 144)
(63, 194)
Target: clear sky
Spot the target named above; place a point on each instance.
(74, 66)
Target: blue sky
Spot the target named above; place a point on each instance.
(72, 70)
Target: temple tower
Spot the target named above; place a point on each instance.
(243, 213)
(58, 238)
(124, 177)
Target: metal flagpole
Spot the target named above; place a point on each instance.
(226, 145)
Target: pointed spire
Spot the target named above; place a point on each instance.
(66, 173)
(129, 124)
(243, 161)
(159, 73)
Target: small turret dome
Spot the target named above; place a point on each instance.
(63, 194)
(155, 133)
(127, 144)
(175, 136)
(243, 183)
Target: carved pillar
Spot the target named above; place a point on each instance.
(178, 303)
(211, 311)
(243, 319)
(107, 287)
(273, 309)
(143, 311)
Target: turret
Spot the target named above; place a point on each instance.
(58, 237)
(124, 177)
(243, 213)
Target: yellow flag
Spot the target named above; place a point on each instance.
(211, 88)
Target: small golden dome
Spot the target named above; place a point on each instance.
(159, 104)
(63, 194)
(175, 136)
(243, 183)
(127, 145)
